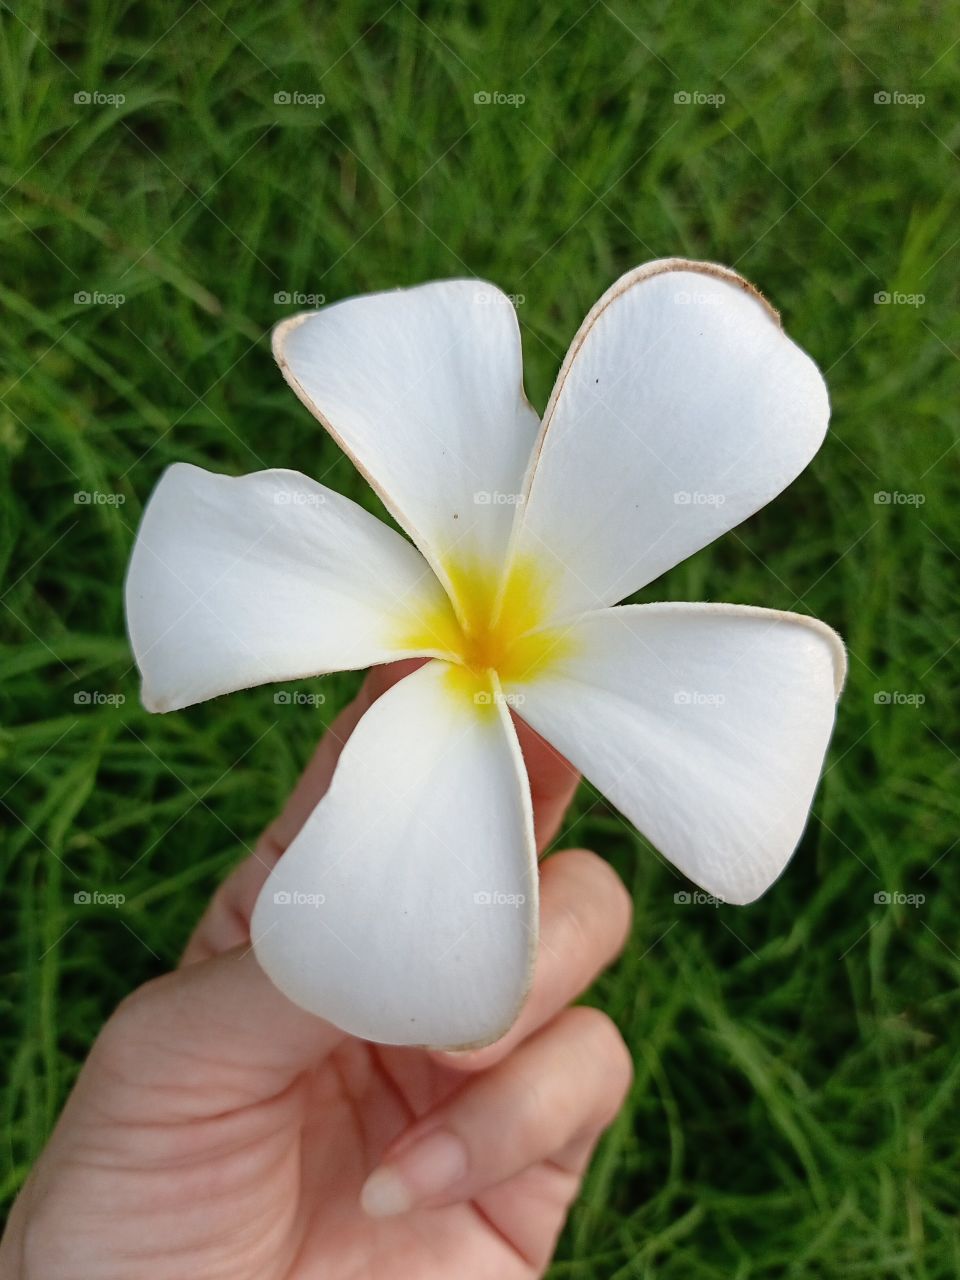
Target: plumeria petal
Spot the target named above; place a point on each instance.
(238, 581)
(423, 388)
(706, 725)
(681, 408)
(406, 909)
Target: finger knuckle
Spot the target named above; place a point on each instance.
(599, 900)
(618, 904)
(609, 1058)
(532, 1114)
(131, 1021)
(570, 927)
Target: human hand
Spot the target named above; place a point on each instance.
(218, 1131)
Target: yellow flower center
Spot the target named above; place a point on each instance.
(485, 630)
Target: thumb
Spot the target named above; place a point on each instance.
(210, 1038)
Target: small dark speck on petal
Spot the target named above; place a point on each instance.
(456, 515)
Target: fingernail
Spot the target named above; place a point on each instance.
(426, 1169)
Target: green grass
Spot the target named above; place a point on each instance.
(797, 1061)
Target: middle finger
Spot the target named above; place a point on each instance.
(585, 913)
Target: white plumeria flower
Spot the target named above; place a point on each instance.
(406, 909)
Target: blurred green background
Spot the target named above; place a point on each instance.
(795, 1110)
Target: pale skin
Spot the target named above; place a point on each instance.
(218, 1132)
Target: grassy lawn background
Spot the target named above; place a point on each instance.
(795, 1110)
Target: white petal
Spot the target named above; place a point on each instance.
(237, 581)
(706, 725)
(406, 910)
(423, 388)
(681, 409)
